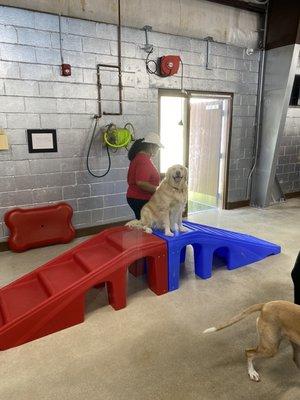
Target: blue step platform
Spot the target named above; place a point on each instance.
(236, 249)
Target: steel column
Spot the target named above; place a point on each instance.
(280, 70)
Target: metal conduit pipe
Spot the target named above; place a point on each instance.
(263, 2)
(259, 102)
(119, 59)
(118, 67)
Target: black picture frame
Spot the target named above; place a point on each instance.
(35, 147)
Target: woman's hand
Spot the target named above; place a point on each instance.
(146, 186)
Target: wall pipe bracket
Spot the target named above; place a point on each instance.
(148, 47)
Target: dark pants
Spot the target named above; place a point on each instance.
(136, 205)
(296, 280)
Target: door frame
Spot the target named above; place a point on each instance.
(202, 93)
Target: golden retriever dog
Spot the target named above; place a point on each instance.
(164, 209)
(277, 319)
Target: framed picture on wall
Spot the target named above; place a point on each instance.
(42, 140)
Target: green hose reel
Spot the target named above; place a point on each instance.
(118, 138)
(112, 137)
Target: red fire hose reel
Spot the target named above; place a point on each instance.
(168, 65)
(164, 66)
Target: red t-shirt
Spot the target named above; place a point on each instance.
(141, 168)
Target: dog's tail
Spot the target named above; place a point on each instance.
(135, 223)
(236, 318)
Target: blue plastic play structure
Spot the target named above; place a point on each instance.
(236, 249)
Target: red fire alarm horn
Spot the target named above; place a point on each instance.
(65, 69)
(169, 65)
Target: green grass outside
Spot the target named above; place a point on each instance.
(202, 198)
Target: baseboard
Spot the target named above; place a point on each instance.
(92, 230)
(237, 204)
(246, 203)
(3, 246)
(291, 195)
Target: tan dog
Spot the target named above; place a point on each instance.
(277, 319)
(164, 209)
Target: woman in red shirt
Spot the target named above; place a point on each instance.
(143, 177)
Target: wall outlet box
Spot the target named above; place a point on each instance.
(3, 141)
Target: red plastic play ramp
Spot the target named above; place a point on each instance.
(52, 297)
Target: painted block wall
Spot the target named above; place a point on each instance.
(34, 95)
(288, 164)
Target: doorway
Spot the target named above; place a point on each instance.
(194, 129)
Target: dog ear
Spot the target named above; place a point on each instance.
(169, 174)
(186, 174)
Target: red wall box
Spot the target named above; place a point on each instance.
(39, 226)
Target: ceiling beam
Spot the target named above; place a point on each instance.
(244, 5)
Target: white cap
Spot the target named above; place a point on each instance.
(153, 138)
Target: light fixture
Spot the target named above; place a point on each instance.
(180, 123)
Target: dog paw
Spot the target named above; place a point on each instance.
(183, 229)
(148, 230)
(169, 233)
(254, 376)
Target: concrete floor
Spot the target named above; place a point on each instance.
(154, 349)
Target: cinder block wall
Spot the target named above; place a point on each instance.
(288, 164)
(34, 95)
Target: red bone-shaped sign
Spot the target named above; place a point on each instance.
(39, 226)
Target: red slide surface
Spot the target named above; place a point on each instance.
(52, 297)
